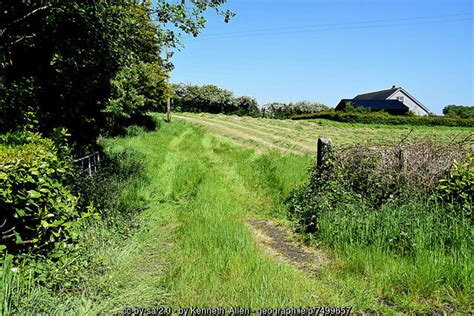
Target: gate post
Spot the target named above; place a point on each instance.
(324, 147)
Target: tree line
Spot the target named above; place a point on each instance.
(459, 111)
(212, 99)
(89, 66)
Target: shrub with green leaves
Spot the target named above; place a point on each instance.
(457, 187)
(136, 89)
(39, 210)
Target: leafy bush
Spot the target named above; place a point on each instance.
(459, 111)
(135, 90)
(457, 187)
(247, 106)
(285, 111)
(62, 266)
(39, 210)
(384, 118)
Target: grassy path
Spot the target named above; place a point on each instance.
(194, 247)
(214, 259)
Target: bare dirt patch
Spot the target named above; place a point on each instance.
(280, 243)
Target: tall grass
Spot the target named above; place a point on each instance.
(7, 285)
(14, 287)
(203, 190)
(36, 284)
(438, 244)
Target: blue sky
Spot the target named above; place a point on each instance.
(325, 50)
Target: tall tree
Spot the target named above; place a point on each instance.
(59, 58)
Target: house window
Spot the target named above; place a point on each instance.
(400, 99)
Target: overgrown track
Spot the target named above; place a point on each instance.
(299, 137)
(211, 234)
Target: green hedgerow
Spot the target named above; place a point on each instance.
(384, 118)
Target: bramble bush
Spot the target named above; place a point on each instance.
(366, 203)
(414, 196)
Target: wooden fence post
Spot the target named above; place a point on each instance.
(324, 147)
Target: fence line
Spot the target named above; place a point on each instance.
(89, 163)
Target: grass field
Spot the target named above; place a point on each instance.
(299, 137)
(195, 248)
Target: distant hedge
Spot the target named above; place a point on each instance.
(384, 118)
(462, 111)
(281, 111)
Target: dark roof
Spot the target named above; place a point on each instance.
(388, 105)
(377, 95)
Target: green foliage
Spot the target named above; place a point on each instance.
(384, 118)
(285, 111)
(61, 269)
(462, 111)
(12, 287)
(80, 52)
(353, 205)
(186, 16)
(74, 49)
(212, 99)
(39, 209)
(457, 187)
(349, 108)
(247, 106)
(205, 221)
(135, 90)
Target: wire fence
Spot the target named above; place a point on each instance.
(88, 164)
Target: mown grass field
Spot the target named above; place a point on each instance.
(194, 248)
(299, 137)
